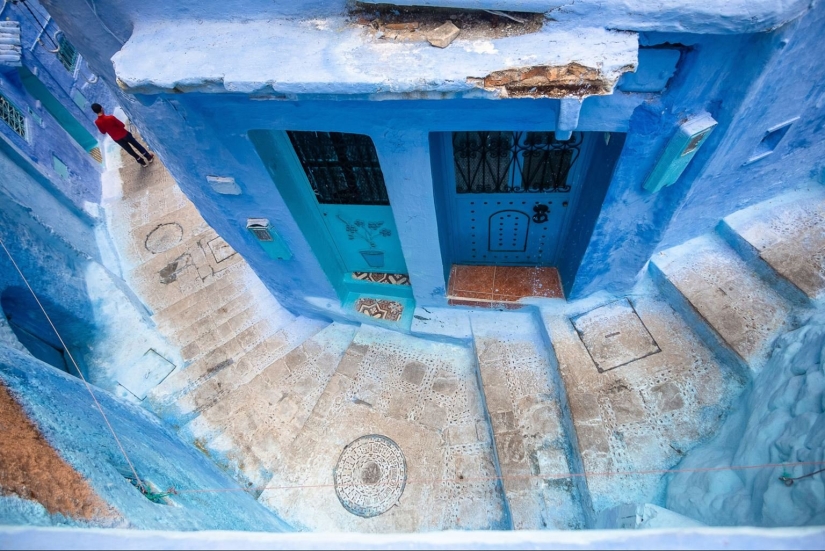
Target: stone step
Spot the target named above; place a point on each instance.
(247, 350)
(784, 239)
(241, 310)
(424, 396)
(175, 274)
(723, 299)
(523, 399)
(256, 356)
(249, 428)
(139, 244)
(202, 303)
(214, 331)
(642, 390)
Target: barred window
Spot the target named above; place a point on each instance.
(66, 53)
(342, 168)
(12, 116)
(513, 162)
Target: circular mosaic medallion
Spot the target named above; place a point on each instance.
(370, 475)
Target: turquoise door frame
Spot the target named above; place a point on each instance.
(513, 228)
(70, 124)
(343, 238)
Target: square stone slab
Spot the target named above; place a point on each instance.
(146, 374)
(614, 335)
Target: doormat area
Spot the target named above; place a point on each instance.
(377, 277)
(379, 308)
(501, 286)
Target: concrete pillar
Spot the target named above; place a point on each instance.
(405, 161)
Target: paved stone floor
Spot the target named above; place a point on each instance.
(425, 397)
(643, 389)
(523, 399)
(341, 427)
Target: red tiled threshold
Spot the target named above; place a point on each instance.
(501, 286)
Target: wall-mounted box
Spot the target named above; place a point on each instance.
(269, 241)
(679, 151)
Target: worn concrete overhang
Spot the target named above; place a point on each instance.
(692, 16)
(333, 56)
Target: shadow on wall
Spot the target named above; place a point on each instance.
(33, 330)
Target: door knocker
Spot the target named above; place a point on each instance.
(541, 213)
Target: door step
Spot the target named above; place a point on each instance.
(390, 311)
(501, 286)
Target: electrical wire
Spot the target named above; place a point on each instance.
(77, 368)
(504, 479)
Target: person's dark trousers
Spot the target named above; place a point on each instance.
(128, 142)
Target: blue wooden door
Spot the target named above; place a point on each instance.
(348, 187)
(512, 195)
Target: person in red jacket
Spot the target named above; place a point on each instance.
(107, 124)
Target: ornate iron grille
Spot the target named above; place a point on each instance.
(66, 53)
(513, 162)
(342, 168)
(12, 116)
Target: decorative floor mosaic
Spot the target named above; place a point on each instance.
(380, 308)
(377, 277)
(370, 475)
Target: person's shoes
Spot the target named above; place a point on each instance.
(150, 158)
(142, 163)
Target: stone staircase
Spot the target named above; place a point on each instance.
(539, 418)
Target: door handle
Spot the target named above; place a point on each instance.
(541, 213)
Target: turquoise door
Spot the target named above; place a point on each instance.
(345, 178)
(512, 194)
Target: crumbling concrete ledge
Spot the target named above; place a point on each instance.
(331, 57)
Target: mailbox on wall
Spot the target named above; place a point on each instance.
(270, 241)
(680, 150)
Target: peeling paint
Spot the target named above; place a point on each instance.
(543, 81)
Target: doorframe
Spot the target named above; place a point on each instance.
(278, 155)
(444, 180)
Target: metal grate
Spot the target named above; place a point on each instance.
(66, 53)
(12, 116)
(341, 168)
(96, 154)
(513, 162)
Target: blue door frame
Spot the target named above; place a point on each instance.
(513, 221)
(344, 238)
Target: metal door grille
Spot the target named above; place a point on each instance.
(513, 162)
(341, 168)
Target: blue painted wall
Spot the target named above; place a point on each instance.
(747, 82)
(45, 219)
(46, 137)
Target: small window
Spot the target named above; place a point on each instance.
(341, 168)
(12, 116)
(507, 162)
(66, 54)
(771, 140)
